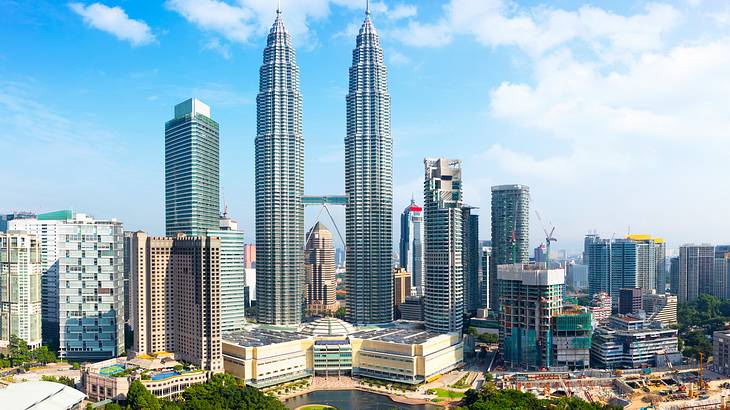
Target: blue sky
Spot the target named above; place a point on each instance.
(615, 114)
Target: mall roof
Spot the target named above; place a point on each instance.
(40, 395)
(256, 336)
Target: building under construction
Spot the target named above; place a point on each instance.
(571, 337)
(536, 330)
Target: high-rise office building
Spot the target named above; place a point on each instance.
(249, 256)
(20, 288)
(45, 227)
(484, 283)
(674, 275)
(696, 269)
(368, 184)
(471, 259)
(651, 262)
(5, 219)
(530, 296)
(90, 288)
(319, 267)
(279, 183)
(634, 262)
(232, 274)
(630, 300)
(127, 274)
(192, 170)
(721, 277)
(411, 244)
(401, 286)
(176, 297)
(601, 307)
(444, 302)
(510, 231)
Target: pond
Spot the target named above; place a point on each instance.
(353, 400)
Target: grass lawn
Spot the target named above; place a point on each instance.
(316, 407)
(448, 394)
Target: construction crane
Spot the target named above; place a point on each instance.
(702, 384)
(548, 237)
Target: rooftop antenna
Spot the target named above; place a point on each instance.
(278, 7)
(367, 7)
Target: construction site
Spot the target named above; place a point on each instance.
(636, 389)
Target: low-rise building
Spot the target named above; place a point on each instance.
(264, 357)
(661, 308)
(721, 352)
(412, 308)
(41, 395)
(161, 375)
(630, 341)
(601, 308)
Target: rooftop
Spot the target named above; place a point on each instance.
(256, 336)
(397, 335)
(40, 396)
(328, 326)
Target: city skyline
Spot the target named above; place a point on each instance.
(129, 146)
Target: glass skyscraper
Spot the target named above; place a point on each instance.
(444, 303)
(368, 184)
(510, 232)
(192, 191)
(471, 259)
(411, 244)
(279, 184)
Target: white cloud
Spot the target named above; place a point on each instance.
(538, 30)
(219, 17)
(114, 20)
(244, 20)
(397, 58)
(216, 45)
(402, 11)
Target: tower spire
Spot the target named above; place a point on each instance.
(278, 7)
(367, 7)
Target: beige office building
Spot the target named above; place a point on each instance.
(401, 286)
(319, 267)
(175, 298)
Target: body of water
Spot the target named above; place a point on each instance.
(353, 400)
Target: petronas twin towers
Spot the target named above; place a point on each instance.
(280, 184)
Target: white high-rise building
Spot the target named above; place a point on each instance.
(20, 288)
(45, 228)
(232, 274)
(444, 303)
(91, 288)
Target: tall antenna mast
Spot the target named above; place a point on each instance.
(367, 7)
(278, 7)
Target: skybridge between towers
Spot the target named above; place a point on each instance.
(324, 200)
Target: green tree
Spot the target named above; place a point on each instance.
(43, 355)
(19, 352)
(340, 313)
(68, 381)
(112, 406)
(139, 398)
(226, 392)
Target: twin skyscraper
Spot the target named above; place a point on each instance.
(280, 184)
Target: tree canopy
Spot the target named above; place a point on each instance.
(697, 320)
(491, 398)
(222, 392)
